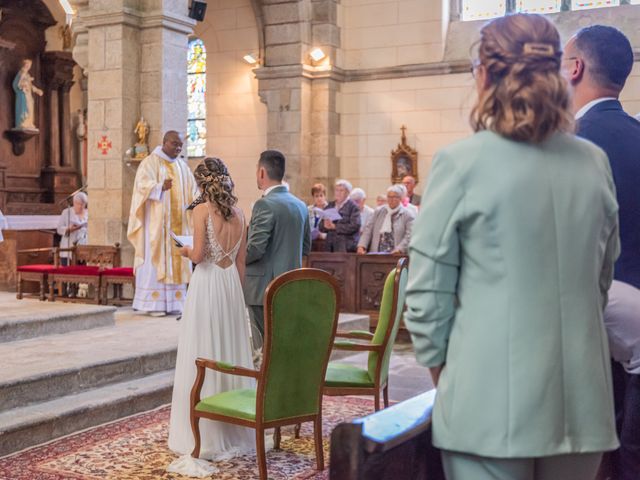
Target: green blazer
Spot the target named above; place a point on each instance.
(279, 236)
(510, 260)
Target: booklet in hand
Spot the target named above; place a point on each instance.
(182, 240)
(328, 214)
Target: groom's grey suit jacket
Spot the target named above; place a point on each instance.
(279, 236)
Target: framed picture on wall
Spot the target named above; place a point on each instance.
(404, 160)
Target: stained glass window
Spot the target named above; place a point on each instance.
(587, 4)
(538, 6)
(481, 9)
(196, 98)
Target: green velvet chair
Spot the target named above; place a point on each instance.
(346, 379)
(301, 317)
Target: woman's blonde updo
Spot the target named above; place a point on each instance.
(212, 177)
(526, 98)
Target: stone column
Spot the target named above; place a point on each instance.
(135, 54)
(301, 95)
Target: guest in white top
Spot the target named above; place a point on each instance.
(359, 197)
(72, 225)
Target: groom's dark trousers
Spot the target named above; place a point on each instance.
(279, 236)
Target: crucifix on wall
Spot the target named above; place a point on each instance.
(404, 160)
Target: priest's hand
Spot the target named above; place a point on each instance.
(185, 251)
(361, 251)
(167, 184)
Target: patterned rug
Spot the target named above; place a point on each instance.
(136, 448)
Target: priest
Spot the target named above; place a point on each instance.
(164, 187)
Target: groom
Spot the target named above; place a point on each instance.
(279, 235)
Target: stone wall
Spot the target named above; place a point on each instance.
(236, 118)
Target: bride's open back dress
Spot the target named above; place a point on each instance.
(214, 326)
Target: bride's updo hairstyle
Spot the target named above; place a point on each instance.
(526, 99)
(212, 177)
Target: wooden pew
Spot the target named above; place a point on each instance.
(361, 279)
(392, 444)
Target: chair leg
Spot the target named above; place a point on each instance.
(260, 453)
(385, 393)
(276, 438)
(43, 290)
(317, 432)
(19, 283)
(376, 400)
(51, 291)
(195, 428)
(296, 430)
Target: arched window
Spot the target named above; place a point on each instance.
(196, 99)
(484, 9)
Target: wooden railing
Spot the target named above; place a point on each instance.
(392, 444)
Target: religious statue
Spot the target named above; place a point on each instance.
(24, 88)
(141, 148)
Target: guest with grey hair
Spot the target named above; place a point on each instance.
(72, 225)
(359, 197)
(342, 233)
(389, 230)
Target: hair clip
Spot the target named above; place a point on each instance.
(542, 49)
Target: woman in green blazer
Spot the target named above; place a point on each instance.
(510, 261)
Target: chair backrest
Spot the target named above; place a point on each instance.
(301, 316)
(100, 255)
(391, 307)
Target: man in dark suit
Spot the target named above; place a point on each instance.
(597, 62)
(279, 235)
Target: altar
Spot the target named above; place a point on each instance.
(22, 232)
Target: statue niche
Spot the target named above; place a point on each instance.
(404, 160)
(37, 165)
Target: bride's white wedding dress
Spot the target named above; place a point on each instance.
(214, 326)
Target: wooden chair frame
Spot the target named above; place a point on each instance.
(95, 254)
(118, 283)
(40, 277)
(368, 347)
(259, 424)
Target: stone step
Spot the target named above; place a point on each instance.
(56, 365)
(32, 318)
(24, 427)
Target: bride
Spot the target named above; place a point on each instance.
(214, 323)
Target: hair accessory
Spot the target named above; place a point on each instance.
(540, 49)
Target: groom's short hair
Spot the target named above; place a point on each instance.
(273, 163)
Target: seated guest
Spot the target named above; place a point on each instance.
(381, 200)
(410, 183)
(390, 227)
(511, 259)
(359, 197)
(319, 194)
(622, 321)
(342, 233)
(72, 225)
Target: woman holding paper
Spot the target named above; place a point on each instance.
(341, 220)
(72, 225)
(214, 322)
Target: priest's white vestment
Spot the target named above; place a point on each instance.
(161, 273)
